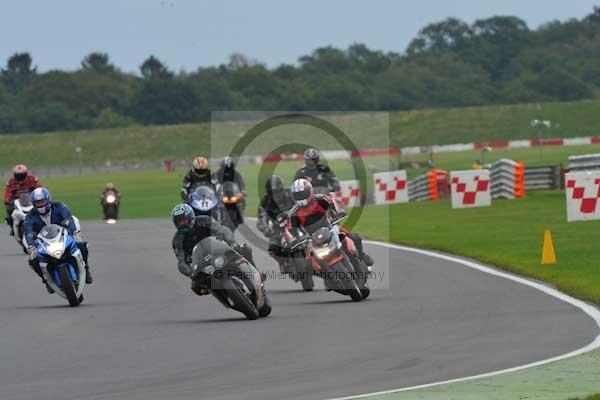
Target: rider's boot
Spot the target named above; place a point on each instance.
(88, 275)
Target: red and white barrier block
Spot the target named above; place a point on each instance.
(390, 187)
(349, 194)
(470, 188)
(583, 195)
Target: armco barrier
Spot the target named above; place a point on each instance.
(507, 179)
(585, 162)
(430, 186)
(538, 178)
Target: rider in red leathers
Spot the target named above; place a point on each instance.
(313, 211)
(21, 182)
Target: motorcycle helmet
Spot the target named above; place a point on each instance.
(311, 157)
(41, 200)
(275, 187)
(200, 166)
(302, 192)
(20, 172)
(110, 186)
(183, 218)
(228, 163)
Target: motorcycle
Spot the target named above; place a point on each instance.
(296, 269)
(204, 201)
(62, 263)
(231, 278)
(233, 200)
(110, 206)
(334, 259)
(22, 206)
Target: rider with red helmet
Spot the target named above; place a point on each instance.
(21, 182)
(313, 211)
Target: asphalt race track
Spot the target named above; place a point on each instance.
(142, 334)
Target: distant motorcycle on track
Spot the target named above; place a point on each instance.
(22, 206)
(233, 211)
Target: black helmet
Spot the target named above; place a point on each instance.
(311, 157)
(274, 185)
(228, 162)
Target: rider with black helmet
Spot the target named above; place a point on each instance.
(319, 175)
(276, 200)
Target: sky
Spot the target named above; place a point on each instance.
(187, 34)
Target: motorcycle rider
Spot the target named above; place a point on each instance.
(46, 212)
(312, 212)
(319, 175)
(108, 189)
(276, 200)
(228, 173)
(191, 230)
(198, 175)
(21, 182)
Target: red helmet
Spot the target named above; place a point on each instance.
(20, 172)
(302, 192)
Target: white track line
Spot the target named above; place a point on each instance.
(590, 310)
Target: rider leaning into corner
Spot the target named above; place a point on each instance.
(21, 182)
(198, 175)
(277, 200)
(313, 211)
(319, 175)
(45, 212)
(191, 230)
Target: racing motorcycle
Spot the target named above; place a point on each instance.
(231, 278)
(298, 270)
(233, 200)
(110, 206)
(333, 259)
(204, 201)
(22, 206)
(62, 263)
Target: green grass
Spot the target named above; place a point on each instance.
(414, 128)
(594, 397)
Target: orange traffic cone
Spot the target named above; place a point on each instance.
(548, 254)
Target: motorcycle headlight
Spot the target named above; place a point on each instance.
(56, 250)
(219, 262)
(110, 198)
(322, 252)
(209, 270)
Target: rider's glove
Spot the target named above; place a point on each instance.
(184, 268)
(268, 232)
(33, 253)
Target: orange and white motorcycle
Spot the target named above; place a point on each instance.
(333, 257)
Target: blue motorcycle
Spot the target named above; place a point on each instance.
(204, 201)
(62, 263)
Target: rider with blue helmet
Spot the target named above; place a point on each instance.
(45, 212)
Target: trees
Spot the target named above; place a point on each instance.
(97, 62)
(449, 63)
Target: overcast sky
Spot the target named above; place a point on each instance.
(186, 34)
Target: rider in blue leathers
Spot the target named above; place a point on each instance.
(45, 212)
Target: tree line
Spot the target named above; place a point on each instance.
(451, 63)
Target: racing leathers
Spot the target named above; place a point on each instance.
(204, 226)
(13, 190)
(59, 214)
(321, 177)
(317, 214)
(192, 180)
(269, 209)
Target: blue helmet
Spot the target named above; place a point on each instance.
(183, 217)
(41, 200)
